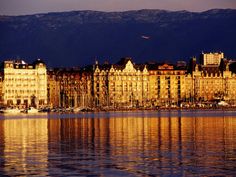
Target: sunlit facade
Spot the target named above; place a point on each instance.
(167, 84)
(211, 58)
(130, 85)
(210, 82)
(121, 84)
(24, 84)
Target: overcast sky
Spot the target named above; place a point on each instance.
(21, 7)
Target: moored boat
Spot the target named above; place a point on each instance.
(11, 110)
(32, 110)
(77, 109)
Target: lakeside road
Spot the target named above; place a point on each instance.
(167, 108)
(190, 113)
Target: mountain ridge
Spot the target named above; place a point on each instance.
(126, 11)
(79, 37)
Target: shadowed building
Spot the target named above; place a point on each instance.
(1, 88)
(53, 88)
(69, 87)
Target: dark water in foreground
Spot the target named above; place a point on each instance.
(119, 144)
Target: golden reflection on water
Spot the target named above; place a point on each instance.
(193, 141)
(141, 145)
(25, 146)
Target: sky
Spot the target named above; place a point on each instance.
(25, 7)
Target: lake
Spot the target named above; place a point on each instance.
(142, 143)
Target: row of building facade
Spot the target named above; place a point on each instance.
(124, 84)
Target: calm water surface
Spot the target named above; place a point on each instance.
(189, 143)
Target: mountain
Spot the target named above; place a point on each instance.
(79, 37)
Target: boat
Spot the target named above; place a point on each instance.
(11, 110)
(32, 110)
(82, 109)
(223, 103)
(78, 109)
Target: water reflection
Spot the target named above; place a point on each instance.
(130, 146)
(25, 147)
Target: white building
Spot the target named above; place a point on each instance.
(24, 84)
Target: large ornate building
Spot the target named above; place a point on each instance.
(24, 84)
(121, 84)
(166, 84)
(124, 84)
(127, 84)
(210, 80)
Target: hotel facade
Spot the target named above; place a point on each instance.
(121, 85)
(24, 84)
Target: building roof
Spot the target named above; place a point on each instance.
(211, 70)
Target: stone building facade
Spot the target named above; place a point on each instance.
(130, 85)
(166, 84)
(121, 85)
(70, 87)
(206, 82)
(24, 84)
(1, 88)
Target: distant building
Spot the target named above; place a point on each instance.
(211, 58)
(24, 84)
(181, 64)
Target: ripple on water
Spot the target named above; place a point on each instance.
(164, 143)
